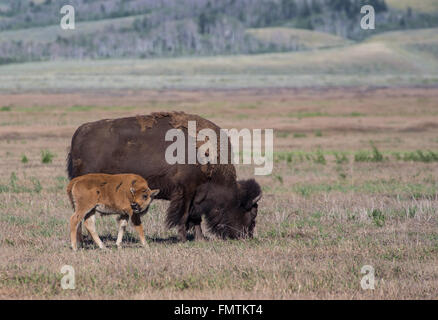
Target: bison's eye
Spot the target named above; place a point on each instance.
(145, 196)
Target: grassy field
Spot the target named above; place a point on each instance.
(354, 183)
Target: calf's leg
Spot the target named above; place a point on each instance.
(135, 218)
(90, 225)
(75, 221)
(123, 222)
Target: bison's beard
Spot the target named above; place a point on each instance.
(227, 226)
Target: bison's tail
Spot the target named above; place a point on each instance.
(70, 166)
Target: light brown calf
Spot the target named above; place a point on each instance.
(127, 195)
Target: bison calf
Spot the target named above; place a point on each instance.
(127, 195)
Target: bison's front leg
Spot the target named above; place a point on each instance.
(182, 226)
(178, 212)
(195, 222)
(135, 218)
(199, 236)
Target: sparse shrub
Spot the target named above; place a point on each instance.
(377, 155)
(362, 156)
(341, 158)
(24, 159)
(47, 156)
(412, 211)
(318, 133)
(299, 135)
(421, 156)
(378, 217)
(5, 108)
(282, 134)
(279, 178)
(319, 158)
(365, 156)
(36, 185)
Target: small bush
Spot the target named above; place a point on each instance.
(341, 158)
(319, 158)
(421, 156)
(378, 217)
(281, 134)
(36, 185)
(365, 156)
(279, 178)
(24, 159)
(5, 108)
(299, 135)
(318, 133)
(47, 156)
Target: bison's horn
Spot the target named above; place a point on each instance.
(256, 199)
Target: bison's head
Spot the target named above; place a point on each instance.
(141, 196)
(230, 212)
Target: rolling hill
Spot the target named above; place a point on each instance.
(384, 60)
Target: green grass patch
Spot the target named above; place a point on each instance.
(301, 115)
(14, 187)
(299, 135)
(417, 156)
(47, 156)
(80, 108)
(369, 156)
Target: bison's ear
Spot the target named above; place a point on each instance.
(155, 192)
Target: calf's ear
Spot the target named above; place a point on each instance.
(155, 192)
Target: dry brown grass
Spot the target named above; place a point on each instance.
(315, 227)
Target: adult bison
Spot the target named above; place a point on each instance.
(137, 145)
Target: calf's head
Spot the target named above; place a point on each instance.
(230, 212)
(141, 196)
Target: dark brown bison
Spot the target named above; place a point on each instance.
(137, 145)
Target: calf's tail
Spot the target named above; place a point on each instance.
(70, 194)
